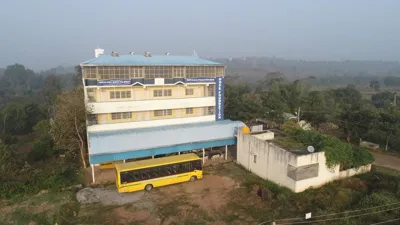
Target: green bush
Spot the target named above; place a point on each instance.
(336, 151)
(42, 149)
(8, 139)
(40, 179)
(377, 199)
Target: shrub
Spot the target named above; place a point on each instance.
(8, 139)
(42, 149)
(336, 151)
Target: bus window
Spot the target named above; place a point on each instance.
(128, 177)
(176, 169)
(197, 165)
(186, 167)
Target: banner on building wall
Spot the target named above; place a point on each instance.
(113, 82)
(219, 98)
(200, 80)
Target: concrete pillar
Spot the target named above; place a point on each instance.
(124, 161)
(179, 153)
(152, 156)
(93, 173)
(226, 152)
(203, 155)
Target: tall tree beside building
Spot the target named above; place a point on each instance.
(69, 124)
(389, 123)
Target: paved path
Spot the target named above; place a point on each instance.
(388, 161)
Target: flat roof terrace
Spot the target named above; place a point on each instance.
(280, 139)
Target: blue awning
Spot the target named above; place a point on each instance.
(125, 144)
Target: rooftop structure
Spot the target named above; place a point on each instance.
(142, 60)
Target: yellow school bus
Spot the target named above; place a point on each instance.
(152, 173)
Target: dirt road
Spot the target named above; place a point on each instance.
(388, 161)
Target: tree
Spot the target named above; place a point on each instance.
(233, 100)
(382, 99)
(389, 123)
(315, 109)
(347, 96)
(42, 128)
(51, 88)
(69, 124)
(356, 121)
(15, 118)
(20, 118)
(391, 81)
(6, 160)
(274, 103)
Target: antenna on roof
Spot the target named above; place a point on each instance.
(194, 53)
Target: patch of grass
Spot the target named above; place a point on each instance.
(21, 216)
(386, 171)
(96, 214)
(68, 213)
(171, 208)
(288, 143)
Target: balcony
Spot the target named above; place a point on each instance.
(149, 105)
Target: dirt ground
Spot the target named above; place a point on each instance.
(211, 200)
(384, 160)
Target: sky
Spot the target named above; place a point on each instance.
(46, 33)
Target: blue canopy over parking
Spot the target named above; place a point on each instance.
(116, 145)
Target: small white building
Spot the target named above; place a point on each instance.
(295, 169)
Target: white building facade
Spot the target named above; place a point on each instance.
(296, 172)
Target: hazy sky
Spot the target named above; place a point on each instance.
(45, 33)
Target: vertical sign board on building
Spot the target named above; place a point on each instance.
(219, 98)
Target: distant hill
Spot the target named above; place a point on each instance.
(254, 68)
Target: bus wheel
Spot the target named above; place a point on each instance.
(148, 187)
(193, 178)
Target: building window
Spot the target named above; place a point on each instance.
(255, 159)
(121, 115)
(211, 90)
(90, 72)
(157, 93)
(120, 94)
(160, 93)
(91, 95)
(179, 72)
(189, 110)
(164, 112)
(189, 91)
(210, 110)
(168, 92)
(136, 72)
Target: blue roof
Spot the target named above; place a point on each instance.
(161, 60)
(109, 142)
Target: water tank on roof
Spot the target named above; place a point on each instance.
(245, 130)
(98, 51)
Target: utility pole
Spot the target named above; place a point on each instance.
(298, 115)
